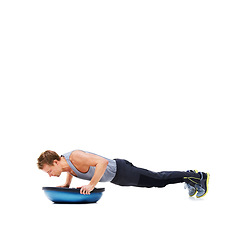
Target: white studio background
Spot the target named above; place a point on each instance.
(154, 82)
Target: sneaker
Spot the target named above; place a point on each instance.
(202, 187)
(191, 189)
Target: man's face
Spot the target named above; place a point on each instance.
(54, 170)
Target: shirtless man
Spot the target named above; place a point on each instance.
(95, 168)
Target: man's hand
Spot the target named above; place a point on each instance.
(86, 189)
(64, 186)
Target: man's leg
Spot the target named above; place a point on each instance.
(129, 175)
(161, 179)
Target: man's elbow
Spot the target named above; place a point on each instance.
(105, 162)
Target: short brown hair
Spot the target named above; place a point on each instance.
(47, 157)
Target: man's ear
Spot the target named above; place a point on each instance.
(55, 161)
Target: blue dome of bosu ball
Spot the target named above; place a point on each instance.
(72, 195)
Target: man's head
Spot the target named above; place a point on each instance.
(49, 162)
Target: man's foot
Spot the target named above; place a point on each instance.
(202, 187)
(191, 190)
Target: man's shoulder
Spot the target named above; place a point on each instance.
(76, 155)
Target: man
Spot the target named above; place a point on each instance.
(95, 168)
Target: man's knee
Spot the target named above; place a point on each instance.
(148, 181)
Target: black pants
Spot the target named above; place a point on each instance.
(129, 175)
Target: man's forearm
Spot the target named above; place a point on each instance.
(68, 179)
(99, 171)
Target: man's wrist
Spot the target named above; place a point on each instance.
(92, 185)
